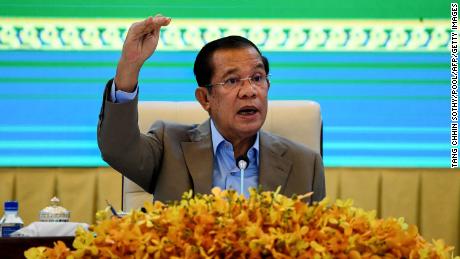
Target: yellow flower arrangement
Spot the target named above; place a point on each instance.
(267, 225)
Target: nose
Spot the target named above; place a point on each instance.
(249, 79)
(247, 89)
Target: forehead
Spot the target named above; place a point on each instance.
(236, 60)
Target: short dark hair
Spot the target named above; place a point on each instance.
(203, 67)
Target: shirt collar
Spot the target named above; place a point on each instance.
(217, 138)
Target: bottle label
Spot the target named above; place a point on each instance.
(7, 230)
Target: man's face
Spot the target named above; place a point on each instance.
(238, 112)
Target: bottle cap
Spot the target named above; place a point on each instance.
(11, 205)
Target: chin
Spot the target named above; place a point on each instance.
(249, 129)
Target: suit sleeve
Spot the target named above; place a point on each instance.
(319, 186)
(135, 155)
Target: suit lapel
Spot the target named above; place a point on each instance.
(274, 167)
(199, 157)
(273, 170)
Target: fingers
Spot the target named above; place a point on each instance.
(153, 25)
(161, 20)
(149, 25)
(156, 22)
(139, 27)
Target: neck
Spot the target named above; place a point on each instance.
(242, 145)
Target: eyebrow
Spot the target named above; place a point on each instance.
(260, 65)
(229, 72)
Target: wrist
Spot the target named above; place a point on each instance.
(126, 77)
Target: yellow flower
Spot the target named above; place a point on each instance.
(35, 252)
(267, 225)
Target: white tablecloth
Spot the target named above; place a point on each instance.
(43, 229)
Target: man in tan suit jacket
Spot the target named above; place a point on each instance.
(172, 158)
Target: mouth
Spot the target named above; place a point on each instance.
(248, 110)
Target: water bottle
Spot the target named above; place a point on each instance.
(10, 222)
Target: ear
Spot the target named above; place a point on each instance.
(202, 96)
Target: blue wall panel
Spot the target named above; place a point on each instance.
(379, 108)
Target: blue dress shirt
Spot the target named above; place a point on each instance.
(119, 96)
(226, 174)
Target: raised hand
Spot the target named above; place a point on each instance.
(140, 43)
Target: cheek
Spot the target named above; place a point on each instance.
(223, 106)
(223, 103)
(263, 97)
(265, 104)
(216, 107)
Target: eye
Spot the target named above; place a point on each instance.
(232, 81)
(257, 78)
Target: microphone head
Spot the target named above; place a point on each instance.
(242, 162)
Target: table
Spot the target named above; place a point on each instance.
(14, 247)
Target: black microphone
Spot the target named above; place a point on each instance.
(242, 163)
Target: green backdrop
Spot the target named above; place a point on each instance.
(317, 9)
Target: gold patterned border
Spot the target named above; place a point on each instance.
(192, 34)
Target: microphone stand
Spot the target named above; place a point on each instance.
(242, 163)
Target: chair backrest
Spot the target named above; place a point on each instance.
(296, 120)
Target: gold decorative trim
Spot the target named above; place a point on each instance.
(192, 34)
